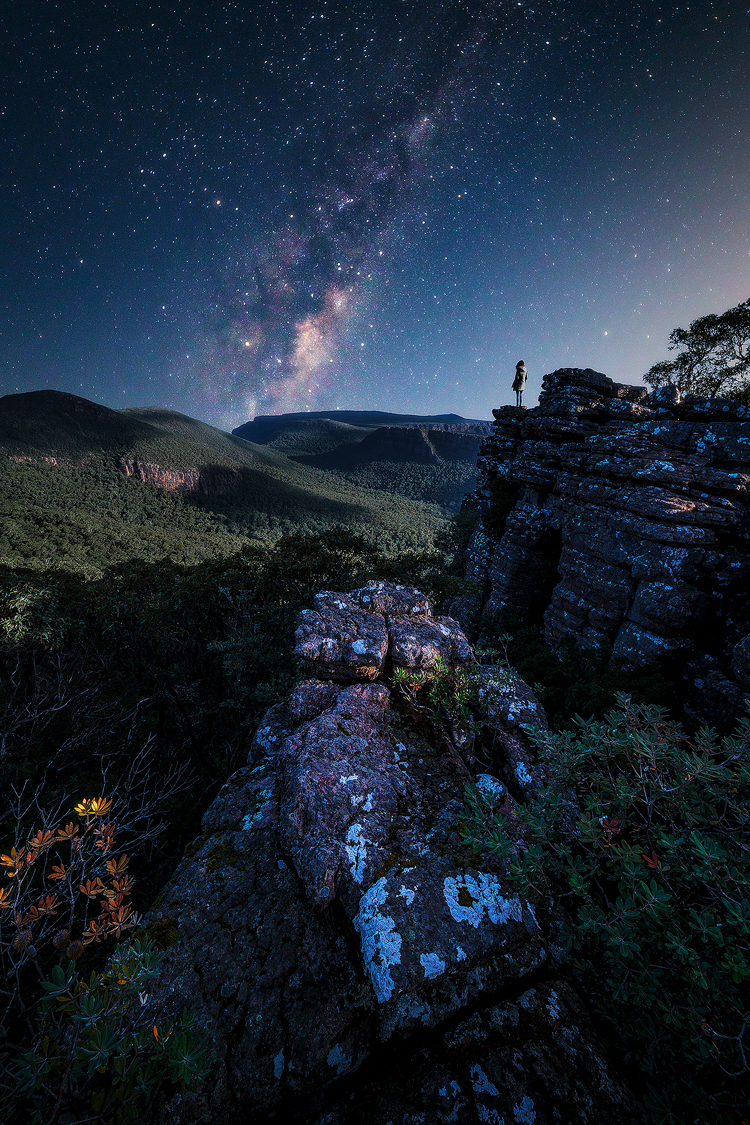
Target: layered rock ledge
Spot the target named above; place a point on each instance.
(628, 528)
(347, 958)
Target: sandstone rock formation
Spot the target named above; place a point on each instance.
(627, 530)
(348, 959)
(205, 481)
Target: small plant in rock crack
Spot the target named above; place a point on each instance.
(82, 1053)
(449, 688)
(655, 879)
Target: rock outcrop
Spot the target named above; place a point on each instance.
(346, 956)
(621, 519)
(206, 481)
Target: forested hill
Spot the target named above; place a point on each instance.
(54, 424)
(84, 487)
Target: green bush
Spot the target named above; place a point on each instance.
(93, 1059)
(655, 886)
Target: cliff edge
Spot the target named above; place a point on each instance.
(620, 518)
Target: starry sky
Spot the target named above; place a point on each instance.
(238, 208)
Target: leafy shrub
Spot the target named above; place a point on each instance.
(450, 688)
(85, 1048)
(655, 882)
(93, 1057)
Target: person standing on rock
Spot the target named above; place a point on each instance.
(519, 382)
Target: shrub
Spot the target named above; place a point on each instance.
(92, 1056)
(655, 884)
(86, 1051)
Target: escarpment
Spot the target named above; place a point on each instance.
(206, 481)
(621, 519)
(347, 957)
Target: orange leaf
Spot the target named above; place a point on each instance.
(14, 860)
(93, 806)
(48, 904)
(118, 865)
(92, 887)
(59, 871)
(41, 841)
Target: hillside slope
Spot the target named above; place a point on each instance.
(77, 489)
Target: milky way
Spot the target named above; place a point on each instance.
(277, 321)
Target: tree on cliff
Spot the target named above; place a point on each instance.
(714, 356)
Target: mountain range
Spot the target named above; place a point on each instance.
(65, 459)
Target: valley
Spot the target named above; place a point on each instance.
(84, 487)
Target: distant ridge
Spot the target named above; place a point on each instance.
(267, 428)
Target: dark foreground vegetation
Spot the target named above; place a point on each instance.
(128, 695)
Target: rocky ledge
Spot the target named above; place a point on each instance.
(621, 518)
(348, 959)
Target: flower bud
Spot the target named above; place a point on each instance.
(61, 939)
(75, 949)
(21, 941)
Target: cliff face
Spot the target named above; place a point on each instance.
(205, 481)
(622, 519)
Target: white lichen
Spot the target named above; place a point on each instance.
(432, 965)
(356, 849)
(278, 1064)
(490, 788)
(481, 1082)
(523, 775)
(469, 898)
(337, 1058)
(381, 943)
(524, 1112)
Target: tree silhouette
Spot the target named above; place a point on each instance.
(714, 356)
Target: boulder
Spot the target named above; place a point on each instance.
(338, 640)
(344, 953)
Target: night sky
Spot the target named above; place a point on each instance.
(241, 208)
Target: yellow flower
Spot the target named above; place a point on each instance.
(93, 806)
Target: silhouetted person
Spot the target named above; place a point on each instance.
(519, 382)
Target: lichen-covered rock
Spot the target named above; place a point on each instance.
(392, 599)
(338, 640)
(505, 699)
(330, 915)
(421, 642)
(534, 1060)
(341, 784)
(630, 528)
